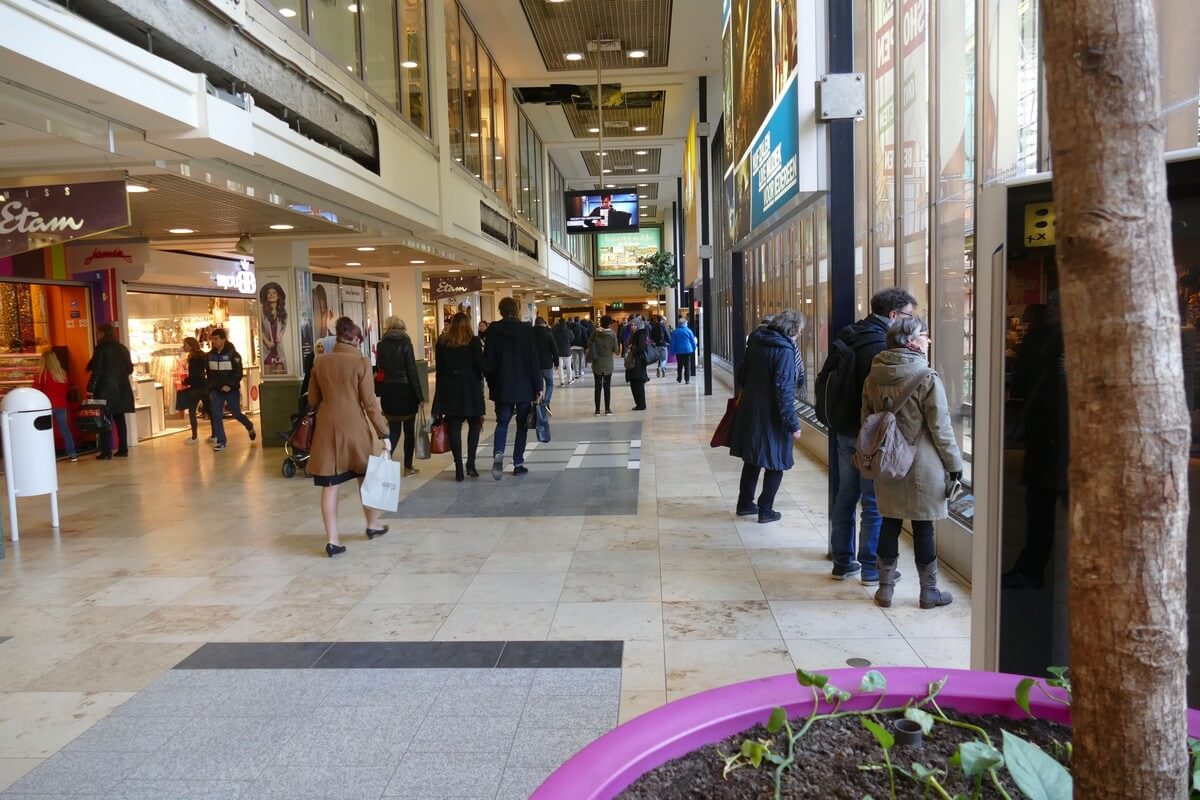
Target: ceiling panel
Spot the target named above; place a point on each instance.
(623, 116)
(561, 28)
(381, 257)
(624, 162)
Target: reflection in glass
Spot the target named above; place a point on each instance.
(500, 131)
(486, 160)
(470, 73)
(379, 40)
(454, 99)
(334, 27)
(413, 57)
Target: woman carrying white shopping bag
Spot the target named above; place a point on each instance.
(349, 421)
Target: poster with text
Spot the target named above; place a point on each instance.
(304, 307)
(618, 254)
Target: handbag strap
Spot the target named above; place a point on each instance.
(909, 390)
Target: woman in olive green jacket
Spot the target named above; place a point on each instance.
(604, 346)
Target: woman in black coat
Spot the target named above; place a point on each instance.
(400, 390)
(111, 367)
(766, 423)
(637, 357)
(458, 395)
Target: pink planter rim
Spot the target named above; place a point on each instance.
(614, 761)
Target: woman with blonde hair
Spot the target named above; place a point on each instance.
(458, 395)
(399, 386)
(348, 421)
(51, 380)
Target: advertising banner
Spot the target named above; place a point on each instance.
(618, 254)
(39, 216)
(773, 157)
(276, 309)
(455, 286)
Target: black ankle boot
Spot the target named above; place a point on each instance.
(458, 471)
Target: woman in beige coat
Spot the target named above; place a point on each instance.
(924, 421)
(349, 421)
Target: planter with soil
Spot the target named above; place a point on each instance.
(702, 746)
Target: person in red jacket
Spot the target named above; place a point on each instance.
(51, 380)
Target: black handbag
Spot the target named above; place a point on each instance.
(183, 399)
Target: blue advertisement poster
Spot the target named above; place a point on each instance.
(773, 158)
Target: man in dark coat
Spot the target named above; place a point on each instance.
(866, 338)
(111, 367)
(510, 363)
(766, 423)
(562, 344)
(547, 353)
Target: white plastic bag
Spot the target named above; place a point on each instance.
(381, 487)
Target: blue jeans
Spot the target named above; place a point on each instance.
(60, 421)
(548, 379)
(504, 413)
(851, 488)
(216, 409)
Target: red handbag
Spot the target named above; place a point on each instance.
(723, 435)
(439, 437)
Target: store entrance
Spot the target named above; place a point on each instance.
(1034, 488)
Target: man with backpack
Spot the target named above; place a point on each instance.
(838, 402)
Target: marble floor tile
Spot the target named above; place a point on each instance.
(438, 564)
(643, 665)
(526, 561)
(589, 587)
(824, 654)
(498, 621)
(950, 653)
(636, 703)
(711, 585)
(112, 667)
(615, 561)
(39, 724)
(50, 591)
(519, 540)
(952, 621)
(794, 584)
(27, 658)
(232, 591)
(618, 536)
(607, 621)
(725, 538)
(419, 588)
(694, 665)
(697, 560)
(299, 623)
(13, 769)
(142, 591)
(375, 622)
(832, 619)
(504, 587)
(728, 619)
(341, 590)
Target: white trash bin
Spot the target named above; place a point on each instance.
(27, 428)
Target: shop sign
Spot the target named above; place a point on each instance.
(774, 158)
(242, 281)
(1040, 225)
(453, 287)
(39, 216)
(353, 294)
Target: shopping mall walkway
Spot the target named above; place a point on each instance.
(185, 636)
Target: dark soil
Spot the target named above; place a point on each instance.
(828, 759)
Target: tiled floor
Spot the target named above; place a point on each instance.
(177, 547)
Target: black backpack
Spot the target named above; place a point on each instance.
(838, 396)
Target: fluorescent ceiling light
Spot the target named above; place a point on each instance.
(643, 185)
(642, 169)
(601, 154)
(353, 264)
(352, 8)
(133, 188)
(454, 270)
(499, 158)
(180, 230)
(573, 56)
(282, 227)
(409, 64)
(287, 12)
(593, 130)
(643, 196)
(365, 249)
(636, 54)
(417, 261)
(475, 135)
(641, 152)
(610, 186)
(607, 171)
(640, 128)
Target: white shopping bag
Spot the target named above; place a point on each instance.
(381, 487)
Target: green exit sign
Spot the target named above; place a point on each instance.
(617, 306)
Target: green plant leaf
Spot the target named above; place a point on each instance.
(832, 693)
(812, 679)
(754, 751)
(976, 758)
(1022, 695)
(873, 681)
(778, 717)
(1036, 774)
(1196, 780)
(922, 718)
(881, 734)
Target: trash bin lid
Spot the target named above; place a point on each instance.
(24, 399)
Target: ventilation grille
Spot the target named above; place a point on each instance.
(624, 162)
(561, 28)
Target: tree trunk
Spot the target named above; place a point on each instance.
(1129, 427)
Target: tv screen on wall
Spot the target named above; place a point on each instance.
(602, 211)
(618, 254)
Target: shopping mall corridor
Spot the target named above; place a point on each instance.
(535, 613)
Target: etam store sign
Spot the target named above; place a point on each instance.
(32, 217)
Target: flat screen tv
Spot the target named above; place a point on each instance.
(602, 211)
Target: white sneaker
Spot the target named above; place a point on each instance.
(191, 441)
(211, 440)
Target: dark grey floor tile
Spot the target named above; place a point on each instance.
(127, 734)
(180, 790)
(550, 747)
(375, 655)
(519, 783)
(490, 701)
(351, 735)
(78, 773)
(465, 734)
(596, 654)
(255, 655)
(558, 711)
(322, 781)
(428, 775)
(606, 682)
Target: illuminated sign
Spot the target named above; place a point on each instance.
(242, 281)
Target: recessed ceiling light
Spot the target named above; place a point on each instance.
(282, 226)
(636, 54)
(133, 188)
(180, 230)
(601, 154)
(365, 249)
(573, 56)
(640, 129)
(454, 270)
(458, 160)
(643, 208)
(475, 135)
(353, 264)
(643, 185)
(352, 8)
(409, 64)
(642, 169)
(607, 171)
(417, 261)
(593, 130)
(610, 186)
(287, 12)
(643, 196)
(499, 158)
(641, 152)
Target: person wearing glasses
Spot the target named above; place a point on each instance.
(901, 381)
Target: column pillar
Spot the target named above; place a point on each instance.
(283, 264)
(406, 296)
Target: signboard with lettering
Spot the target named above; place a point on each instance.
(773, 158)
(454, 286)
(32, 217)
(242, 281)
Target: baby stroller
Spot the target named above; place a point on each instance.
(298, 440)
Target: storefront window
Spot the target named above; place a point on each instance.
(500, 131)
(334, 27)
(487, 161)
(884, 135)
(470, 72)
(1178, 33)
(529, 168)
(477, 95)
(914, 153)
(414, 57)
(379, 32)
(454, 102)
(1009, 92)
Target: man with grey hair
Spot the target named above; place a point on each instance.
(857, 345)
